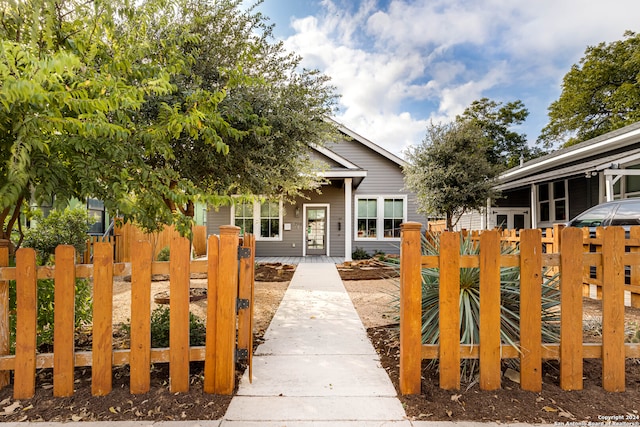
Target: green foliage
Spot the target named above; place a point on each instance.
(470, 301)
(45, 320)
(151, 107)
(164, 254)
(449, 171)
(360, 254)
(599, 94)
(60, 227)
(504, 146)
(160, 318)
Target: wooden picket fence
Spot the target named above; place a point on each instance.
(230, 280)
(127, 233)
(592, 244)
(571, 260)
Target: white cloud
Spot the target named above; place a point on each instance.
(415, 61)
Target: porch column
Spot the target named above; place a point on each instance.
(348, 218)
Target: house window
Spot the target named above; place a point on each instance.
(552, 201)
(367, 217)
(270, 220)
(263, 219)
(384, 213)
(96, 212)
(393, 217)
(244, 217)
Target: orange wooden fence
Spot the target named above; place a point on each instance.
(128, 233)
(592, 244)
(219, 353)
(569, 258)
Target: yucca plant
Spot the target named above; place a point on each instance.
(470, 301)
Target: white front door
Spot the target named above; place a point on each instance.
(316, 222)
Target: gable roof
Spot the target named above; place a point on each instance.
(364, 141)
(593, 154)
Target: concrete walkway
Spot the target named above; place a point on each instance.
(316, 366)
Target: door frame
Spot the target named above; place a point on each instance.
(306, 206)
(510, 212)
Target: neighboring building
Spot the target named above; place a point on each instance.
(362, 206)
(557, 187)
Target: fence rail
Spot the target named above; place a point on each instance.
(592, 276)
(219, 352)
(126, 234)
(571, 261)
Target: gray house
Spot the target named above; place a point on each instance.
(557, 187)
(362, 206)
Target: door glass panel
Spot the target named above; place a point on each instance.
(316, 229)
(518, 221)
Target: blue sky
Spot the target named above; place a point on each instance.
(399, 64)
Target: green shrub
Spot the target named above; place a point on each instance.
(160, 328)
(359, 254)
(60, 227)
(470, 302)
(67, 227)
(164, 254)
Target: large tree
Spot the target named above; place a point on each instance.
(151, 106)
(599, 94)
(449, 171)
(61, 86)
(505, 147)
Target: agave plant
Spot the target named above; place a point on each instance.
(470, 301)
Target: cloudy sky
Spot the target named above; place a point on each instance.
(399, 64)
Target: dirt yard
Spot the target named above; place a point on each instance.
(374, 299)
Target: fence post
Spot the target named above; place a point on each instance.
(213, 251)
(410, 308)
(531, 310)
(634, 233)
(571, 271)
(64, 321)
(226, 311)
(613, 357)
(140, 359)
(599, 248)
(24, 385)
(102, 346)
(179, 283)
(449, 311)
(586, 268)
(4, 315)
(490, 357)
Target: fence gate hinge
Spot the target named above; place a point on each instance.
(244, 253)
(241, 304)
(242, 354)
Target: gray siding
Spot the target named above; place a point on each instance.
(216, 218)
(293, 240)
(384, 177)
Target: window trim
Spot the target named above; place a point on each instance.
(552, 202)
(257, 220)
(380, 198)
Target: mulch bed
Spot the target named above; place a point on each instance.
(274, 272)
(159, 404)
(511, 404)
(370, 269)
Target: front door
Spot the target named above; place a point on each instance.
(316, 231)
